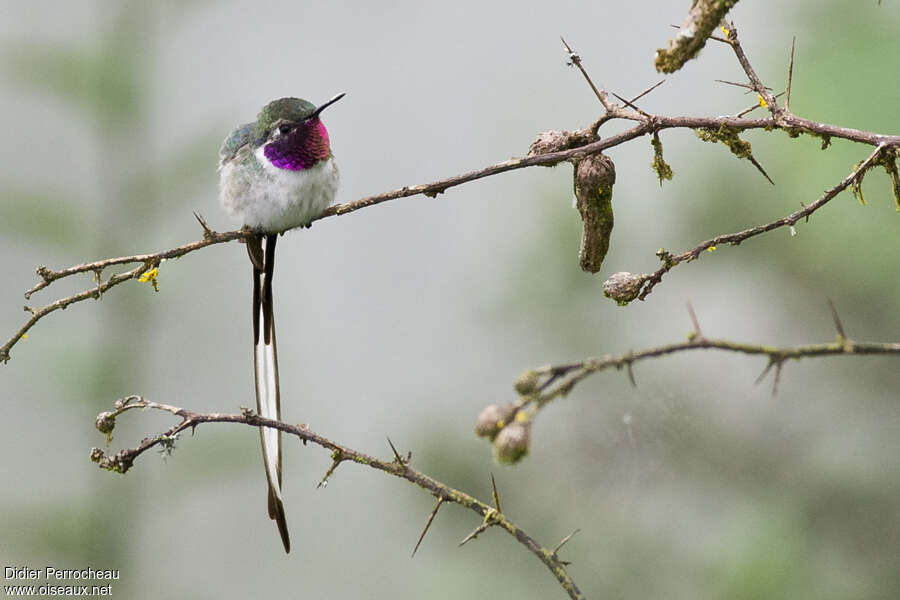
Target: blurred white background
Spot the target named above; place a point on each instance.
(405, 319)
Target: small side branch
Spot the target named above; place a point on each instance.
(755, 82)
(575, 60)
(95, 292)
(555, 381)
(648, 281)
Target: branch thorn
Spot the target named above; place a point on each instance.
(628, 103)
(397, 458)
(787, 99)
(777, 378)
(630, 372)
(337, 457)
(697, 333)
(575, 60)
(207, 232)
(496, 495)
(565, 540)
(648, 90)
(772, 361)
(427, 525)
(837, 321)
(475, 533)
(98, 279)
(746, 86)
(750, 109)
(760, 169)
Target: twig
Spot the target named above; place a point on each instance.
(648, 90)
(755, 82)
(753, 107)
(38, 314)
(784, 118)
(49, 276)
(631, 105)
(565, 376)
(650, 280)
(123, 460)
(646, 125)
(575, 60)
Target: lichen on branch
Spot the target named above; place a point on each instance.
(702, 20)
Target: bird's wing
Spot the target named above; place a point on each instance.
(240, 137)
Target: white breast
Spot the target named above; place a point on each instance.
(266, 198)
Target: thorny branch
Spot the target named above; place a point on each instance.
(587, 142)
(540, 386)
(624, 287)
(648, 281)
(558, 380)
(123, 460)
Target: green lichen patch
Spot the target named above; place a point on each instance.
(704, 17)
(888, 161)
(660, 166)
(728, 136)
(795, 132)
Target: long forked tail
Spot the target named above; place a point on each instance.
(265, 363)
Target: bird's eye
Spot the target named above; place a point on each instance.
(284, 129)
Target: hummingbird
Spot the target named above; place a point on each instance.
(275, 174)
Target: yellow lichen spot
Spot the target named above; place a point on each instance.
(762, 101)
(711, 249)
(24, 336)
(724, 30)
(151, 277)
(521, 417)
(500, 424)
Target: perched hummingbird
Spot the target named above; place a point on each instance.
(276, 173)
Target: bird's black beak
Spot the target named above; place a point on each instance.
(326, 105)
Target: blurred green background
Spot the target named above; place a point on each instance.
(404, 320)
